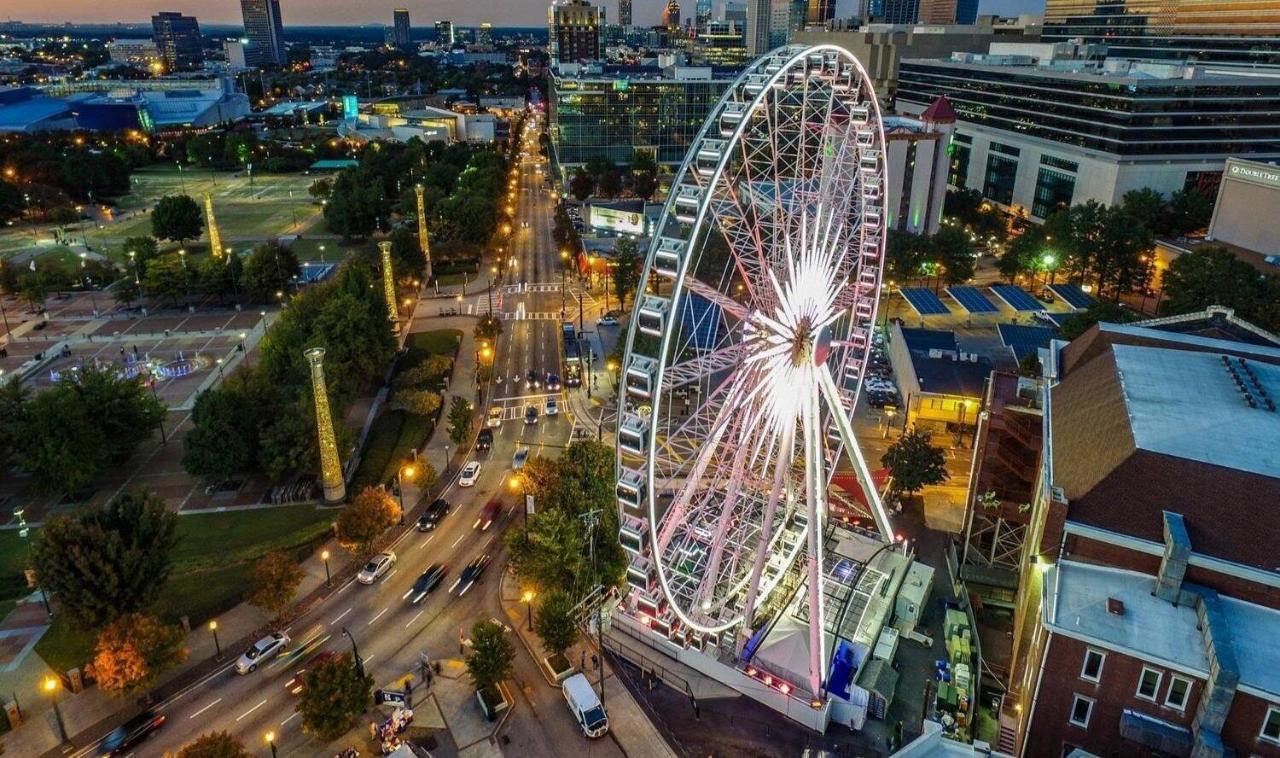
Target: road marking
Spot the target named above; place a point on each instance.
(202, 710)
(366, 660)
(389, 574)
(415, 618)
(341, 616)
(460, 539)
(251, 710)
(486, 544)
(291, 718)
(375, 618)
(428, 541)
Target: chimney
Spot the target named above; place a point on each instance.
(1115, 607)
(1173, 564)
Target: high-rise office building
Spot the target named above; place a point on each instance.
(444, 33)
(1245, 32)
(265, 32)
(759, 19)
(402, 37)
(624, 12)
(484, 35)
(702, 12)
(735, 13)
(898, 12)
(575, 31)
(671, 15)
(948, 11)
(819, 12)
(178, 40)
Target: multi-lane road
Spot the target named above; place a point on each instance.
(389, 631)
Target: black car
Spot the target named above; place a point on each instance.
(470, 575)
(133, 731)
(553, 382)
(426, 583)
(484, 440)
(434, 514)
(532, 378)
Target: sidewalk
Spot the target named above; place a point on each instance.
(631, 728)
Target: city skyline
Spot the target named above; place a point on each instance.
(531, 13)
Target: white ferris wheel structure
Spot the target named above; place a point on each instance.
(747, 348)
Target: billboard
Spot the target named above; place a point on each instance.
(350, 107)
(614, 220)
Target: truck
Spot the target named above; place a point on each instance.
(572, 355)
(585, 706)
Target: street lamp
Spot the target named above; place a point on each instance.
(890, 412)
(328, 578)
(271, 741)
(403, 473)
(527, 599)
(213, 627)
(51, 686)
(355, 653)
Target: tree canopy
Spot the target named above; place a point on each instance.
(491, 656)
(133, 651)
(176, 217)
(914, 463)
(370, 514)
(214, 745)
(333, 695)
(274, 581)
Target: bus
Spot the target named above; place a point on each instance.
(572, 356)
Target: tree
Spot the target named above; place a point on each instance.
(13, 398)
(488, 328)
(491, 655)
(1189, 211)
(406, 256)
(459, 419)
(222, 439)
(140, 251)
(914, 463)
(418, 402)
(1102, 310)
(1149, 207)
(176, 217)
(582, 185)
(133, 651)
(12, 205)
(626, 269)
(644, 184)
(904, 255)
(220, 276)
(642, 160)
(168, 278)
(270, 269)
(609, 183)
(333, 695)
(107, 560)
(356, 203)
(953, 249)
(127, 291)
(370, 514)
(214, 745)
(320, 189)
(1211, 275)
(555, 622)
(274, 582)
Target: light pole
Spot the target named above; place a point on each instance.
(355, 653)
(213, 627)
(51, 686)
(527, 599)
(271, 742)
(328, 578)
(404, 471)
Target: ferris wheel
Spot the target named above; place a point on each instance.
(747, 348)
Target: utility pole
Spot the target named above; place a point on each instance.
(591, 519)
(580, 321)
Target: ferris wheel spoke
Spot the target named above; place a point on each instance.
(815, 487)
(781, 467)
(726, 303)
(832, 397)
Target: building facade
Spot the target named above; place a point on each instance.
(264, 29)
(401, 36)
(1037, 133)
(444, 33)
(178, 40)
(948, 11)
(135, 52)
(898, 12)
(671, 16)
(1240, 32)
(917, 167)
(575, 31)
(819, 12)
(624, 12)
(484, 34)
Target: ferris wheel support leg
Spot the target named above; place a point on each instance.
(878, 512)
(813, 486)
(782, 463)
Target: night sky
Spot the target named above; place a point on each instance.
(342, 12)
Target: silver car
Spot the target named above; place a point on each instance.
(263, 649)
(376, 567)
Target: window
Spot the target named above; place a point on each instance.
(958, 174)
(997, 147)
(1002, 172)
(1065, 165)
(1179, 692)
(1149, 683)
(1271, 726)
(1081, 710)
(1054, 190)
(1091, 671)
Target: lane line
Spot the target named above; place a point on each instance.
(389, 575)
(461, 537)
(428, 541)
(202, 710)
(251, 710)
(375, 618)
(291, 718)
(415, 618)
(341, 616)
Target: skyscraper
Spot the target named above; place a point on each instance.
(444, 33)
(900, 12)
(484, 35)
(820, 12)
(574, 31)
(265, 32)
(702, 12)
(401, 38)
(671, 15)
(759, 19)
(948, 11)
(178, 40)
(624, 12)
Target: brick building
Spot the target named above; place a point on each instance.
(1148, 611)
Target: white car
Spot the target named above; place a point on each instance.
(377, 566)
(470, 473)
(271, 645)
(608, 321)
(553, 407)
(495, 417)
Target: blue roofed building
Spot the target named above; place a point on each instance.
(941, 385)
(133, 106)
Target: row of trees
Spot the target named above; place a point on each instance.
(52, 171)
(601, 177)
(261, 418)
(947, 256)
(1212, 275)
(269, 269)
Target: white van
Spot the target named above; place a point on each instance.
(585, 706)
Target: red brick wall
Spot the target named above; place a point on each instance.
(1244, 721)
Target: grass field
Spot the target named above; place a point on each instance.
(211, 564)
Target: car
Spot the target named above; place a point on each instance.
(607, 321)
(434, 514)
(470, 473)
(376, 567)
(470, 575)
(553, 407)
(585, 705)
(484, 440)
(122, 739)
(553, 382)
(495, 417)
(530, 414)
(423, 585)
(294, 685)
(488, 515)
(520, 458)
(532, 379)
(260, 651)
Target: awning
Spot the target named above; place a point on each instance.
(1155, 733)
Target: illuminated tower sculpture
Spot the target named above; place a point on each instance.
(335, 489)
(215, 239)
(389, 284)
(422, 233)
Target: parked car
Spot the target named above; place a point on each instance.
(553, 407)
(295, 683)
(531, 414)
(122, 739)
(607, 321)
(495, 416)
(484, 440)
(377, 566)
(470, 575)
(585, 706)
(470, 473)
(260, 651)
(520, 458)
(434, 514)
(488, 515)
(424, 584)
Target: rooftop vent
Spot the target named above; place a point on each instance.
(1248, 383)
(1115, 607)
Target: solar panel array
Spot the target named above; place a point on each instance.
(925, 302)
(1072, 295)
(1017, 298)
(972, 299)
(1057, 319)
(1024, 340)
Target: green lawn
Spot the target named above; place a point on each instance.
(211, 564)
(443, 341)
(308, 249)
